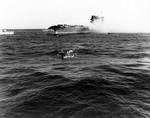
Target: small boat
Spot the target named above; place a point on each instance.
(5, 32)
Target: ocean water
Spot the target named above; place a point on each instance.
(109, 77)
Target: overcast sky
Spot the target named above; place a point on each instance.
(120, 15)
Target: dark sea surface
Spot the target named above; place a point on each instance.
(109, 77)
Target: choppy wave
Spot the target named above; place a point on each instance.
(108, 78)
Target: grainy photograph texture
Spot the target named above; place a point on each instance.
(74, 59)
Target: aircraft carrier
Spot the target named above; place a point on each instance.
(71, 29)
(66, 29)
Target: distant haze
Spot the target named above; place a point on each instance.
(120, 15)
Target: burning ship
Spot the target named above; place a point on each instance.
(67, 29)
(71, 29)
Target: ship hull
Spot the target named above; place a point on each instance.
(67, 29)
(5, 32)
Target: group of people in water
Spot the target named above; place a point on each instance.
(66, 54)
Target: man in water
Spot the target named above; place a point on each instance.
(62, 54)
(67, 54)
(70, 52)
